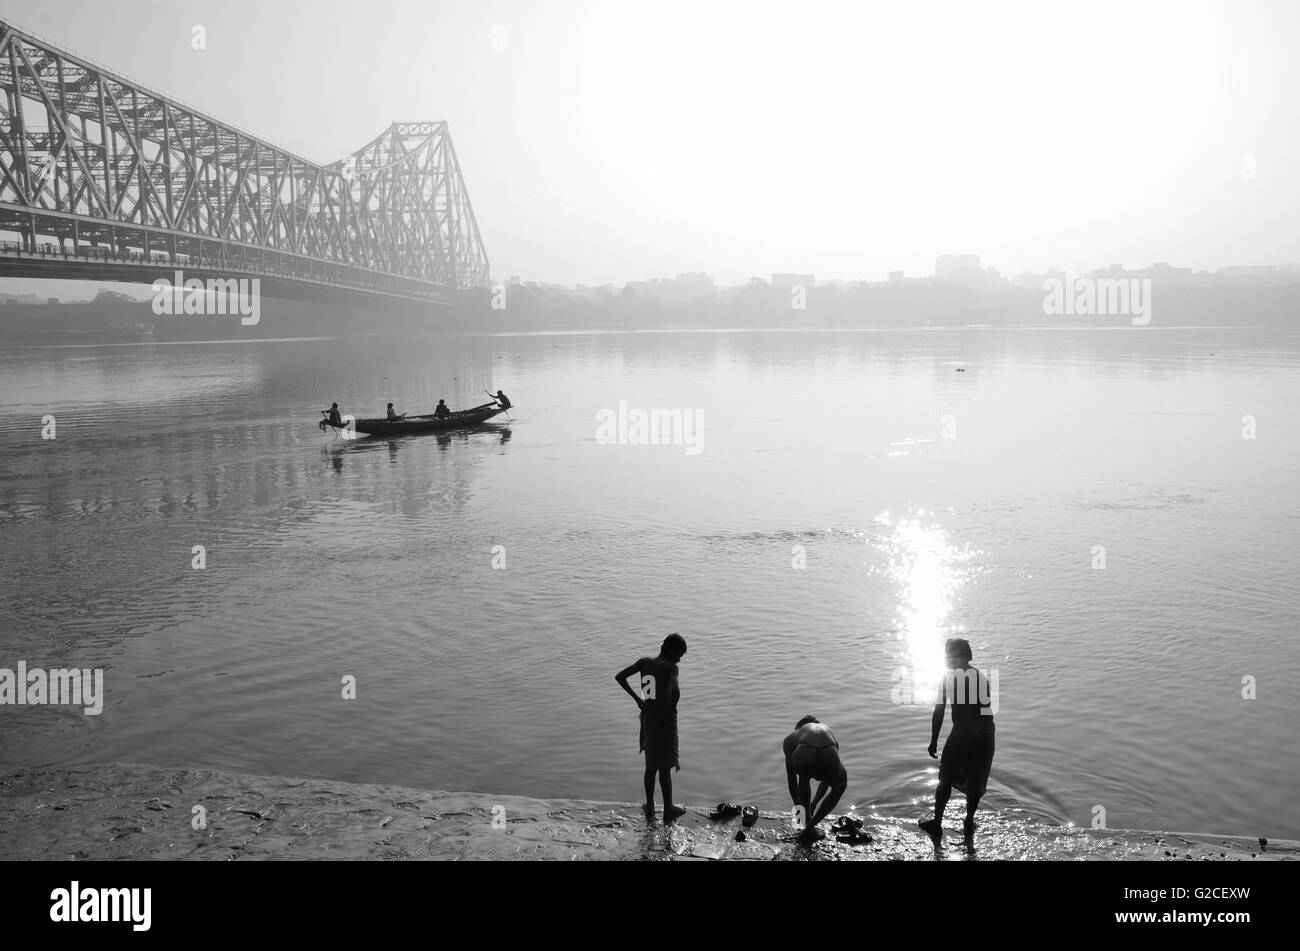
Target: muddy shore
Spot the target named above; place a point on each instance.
(142, 812)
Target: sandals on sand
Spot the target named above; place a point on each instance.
(729, 810)
(855, 837)
(848, 829)
(846, 823)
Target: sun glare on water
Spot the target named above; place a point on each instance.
(927, 572)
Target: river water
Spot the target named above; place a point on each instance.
(1079, 503)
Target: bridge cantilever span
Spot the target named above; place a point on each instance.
(103, 179)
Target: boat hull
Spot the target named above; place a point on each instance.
(415, 425)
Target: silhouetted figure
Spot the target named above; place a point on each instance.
(441, 411)
(393, 415)
(968, 751)
(812, 752)
(657, 680)
(503, 400)
(335, 418)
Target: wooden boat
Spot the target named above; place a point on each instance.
(428, 423)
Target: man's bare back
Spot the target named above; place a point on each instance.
(813, 753)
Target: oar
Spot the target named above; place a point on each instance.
(506, 411)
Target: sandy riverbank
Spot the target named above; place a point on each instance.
(140, 812)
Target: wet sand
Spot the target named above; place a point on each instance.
(141, 812)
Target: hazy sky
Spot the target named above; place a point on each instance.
(612, 141)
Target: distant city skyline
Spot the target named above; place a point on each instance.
(602, 143)
(86, 290)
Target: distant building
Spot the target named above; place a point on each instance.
(686, 287)
(1248, 270)
(1162, 273)
(1035, 282)
(1166, 274)
(788, 281)
(959, 268)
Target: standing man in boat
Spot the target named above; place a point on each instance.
(812, 752)
(657, 695)
(441, 411)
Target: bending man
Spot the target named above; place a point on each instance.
(812, 752)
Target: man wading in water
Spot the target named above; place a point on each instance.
(657, 678)
(968, 751)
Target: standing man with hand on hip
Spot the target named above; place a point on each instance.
(657, 680)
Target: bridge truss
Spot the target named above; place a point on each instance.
(103, 178)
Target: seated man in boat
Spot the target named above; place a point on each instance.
(393, 415)
(503, 401)
(335, 417)
(441, 411)
(812, 752)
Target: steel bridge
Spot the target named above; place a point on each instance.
(103, 179)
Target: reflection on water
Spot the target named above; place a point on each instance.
(335, 443)
(378, 558)
(927, 571)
